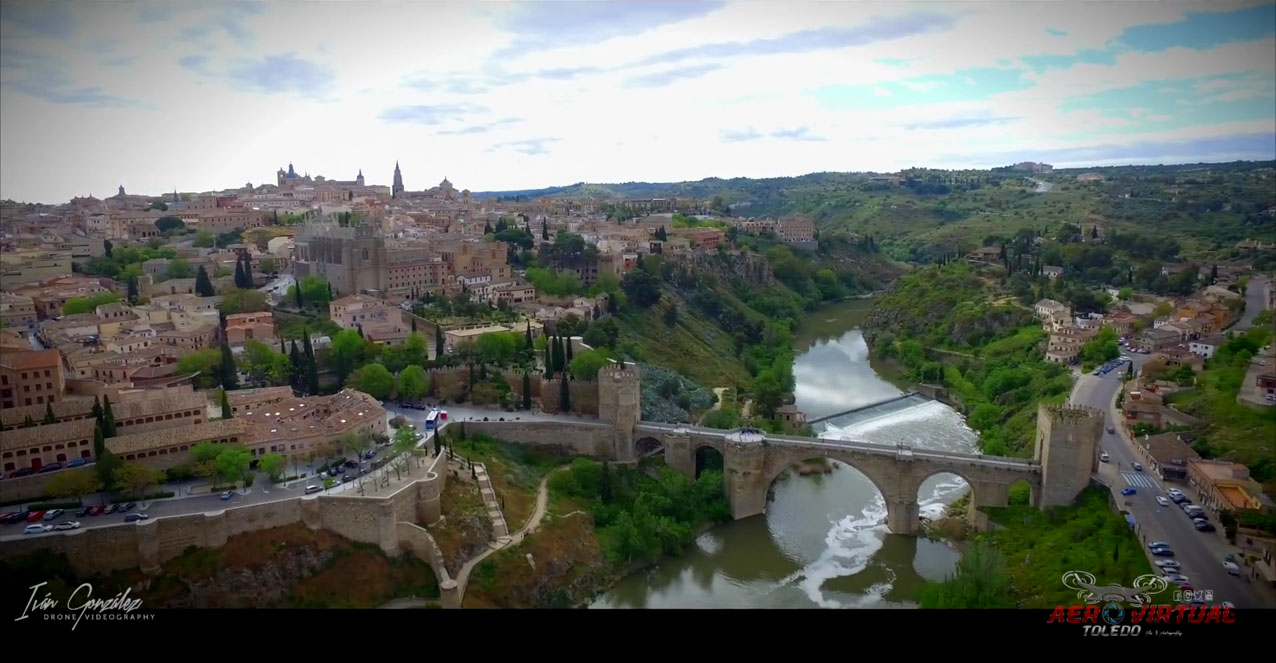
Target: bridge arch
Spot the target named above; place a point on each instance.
(947, 485)
(647, 445)
(778, 463)
(707, 457)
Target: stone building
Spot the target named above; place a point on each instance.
(1067, 448)
(31, 378)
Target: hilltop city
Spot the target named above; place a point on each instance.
(211, 360)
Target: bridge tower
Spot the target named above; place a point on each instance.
(1067, 439)
(619, 404)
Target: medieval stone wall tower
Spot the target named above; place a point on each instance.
(1067, 448)
(619, 404)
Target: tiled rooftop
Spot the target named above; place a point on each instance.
(23, 438)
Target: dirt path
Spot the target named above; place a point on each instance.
(542, 504)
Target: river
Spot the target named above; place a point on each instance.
(823, 540)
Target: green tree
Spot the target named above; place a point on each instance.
(229, 373)
(108, 418)
(438, 341)
(207, 363)
(642, 288)
(178, 268)
(374, 380)
(527, 391)
(671, 315)
(348, 351)
(204, 239)
(132, 289)
(226, 413)
(48, 414)
(586, 365)
(99, 441)
(237, 300)
(564, 395)
(74, 484)
(269, 266)
(413, 383)
(88, 304)
(233, 463)
(982, 581)
(203, 285)
(134, 479)
(272, 465)
(106, 465)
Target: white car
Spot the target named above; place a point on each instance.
(1167, 564)
(1232, 568)
(38, 529)
(67, 524)
(1162, 501)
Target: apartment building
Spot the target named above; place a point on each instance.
(31, 378)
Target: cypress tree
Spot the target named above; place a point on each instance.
(297, 290)
(239, 274)
(611, 303)
(48, 414)
(413, 324)
(28, 422)
(99, 441)
(549, 365)
(529, 335)
(438, 342)
(294, 358)
(204, 285)
(312, 375)
(329, 291)
(527, 391)
(108, 418)
(567, 347)
(564, 395)
(545, 230)
(133, 290)
(438, 443)
(226, 414)
(230, 377)
(97, 410)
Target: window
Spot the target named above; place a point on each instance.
(61, 458)
(46, 374)
(28, 401)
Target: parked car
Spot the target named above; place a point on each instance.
(313, 489)
(1104, 457)
(227, 495)
(1128, 491)
(1232, 568)
(78, 462)
(1138, 467)
(1158, 544)
(370, 455)
(345, 478)
(1167, 564)
(1203, 526)
(53, 513)
(134, 517)
(1111, 429)
(130, 505)
(35, 516)
(109, 509)
(38, 529)
(353, 463)
(97, 510)
(1177, 579)
(51, 467)
(67, 524)
(20, 472)
(84, 511)
(1162, 501)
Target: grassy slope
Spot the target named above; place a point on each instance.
(1087, 536)
(695, 346)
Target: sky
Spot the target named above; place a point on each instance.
(499, 96)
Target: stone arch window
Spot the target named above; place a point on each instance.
(61, 458)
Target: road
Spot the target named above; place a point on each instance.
(1255, 301)
(1042, 185)
(1199, 553)
(261, 491)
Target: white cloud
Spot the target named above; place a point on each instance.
(212, 96)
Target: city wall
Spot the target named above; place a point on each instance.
(27, 488)
(150, 543)
(580, 437)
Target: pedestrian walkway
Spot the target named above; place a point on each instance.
(489, 500)
(1138, 480)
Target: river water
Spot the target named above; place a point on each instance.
(823, 540)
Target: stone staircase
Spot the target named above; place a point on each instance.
(499, 527)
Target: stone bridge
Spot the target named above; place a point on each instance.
(752, 461)
(1066, 454)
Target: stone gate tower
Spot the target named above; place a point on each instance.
(619, 404)
(1067, 441)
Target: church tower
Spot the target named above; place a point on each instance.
(359, 180)
(398, 182)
